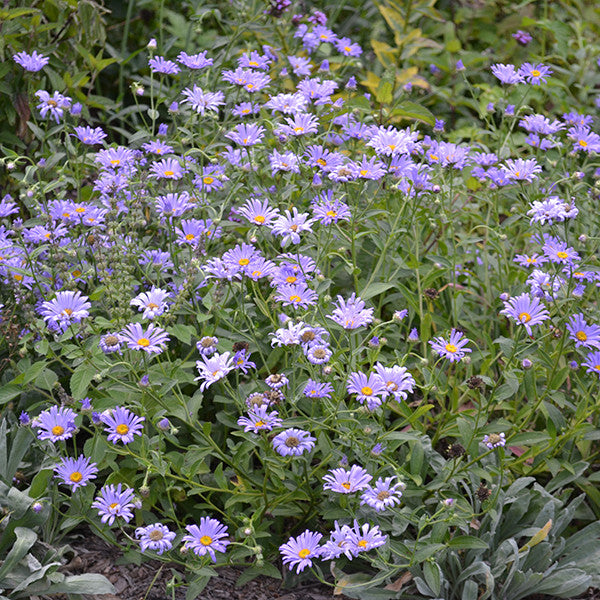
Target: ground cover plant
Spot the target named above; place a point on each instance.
(316, 315)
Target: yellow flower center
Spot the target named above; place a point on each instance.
(207, 180)
(122, 429)
(362, 544)
(259, 219)
(366, 391)
(536, 73)
(331, 213)
(298, 129)
(583, 143)
(363, 172)
(58, 430)
(115, 161)
(295, 298)
(253, 63)
(206, 540)
(169, 173)
(51, 103)
(347, 48)
(392, 147)
(524, 317)
(243, 261)
(152, 305)
(114, 505)
(581, 336)
(322, 162)
(451, 348)
(80, 209)
(143, 342)
(190, 237)
(68, 312)
(346, 485)
(562, 254)
(75, 476)
(250, 86)
(304, 553)
(259, 424)
(290, 279)
(434, 157)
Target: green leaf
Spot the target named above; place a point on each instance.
(81, 379)
(25, 539)
(93, 583)
(467, 542)
(374, 289)
(412, 110)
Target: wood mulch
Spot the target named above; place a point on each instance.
(140, 582)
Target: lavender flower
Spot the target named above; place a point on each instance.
(351, 313)
(122, 425)
(383, 495)
(293, 442)
(31, 62)
(213, 368)
(68, 307)
(113, 502)
(206, 538)
(525, 311)
(494, 440)
(347, 482)
(152, 340)
(157, 537)
(76, 472)
(299, 552)
(152, 303)
(56, 423)
(454, 348)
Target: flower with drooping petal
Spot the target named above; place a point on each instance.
(259, 419)
(113, 502)
(300, 551)
(157, 537)
(31, 62)
(383, 495)
(213, 368)
(346, 482)
(363, 538)
(68, 307)
(351, 313)
(122, 425)
(152, 303)
(206, 538)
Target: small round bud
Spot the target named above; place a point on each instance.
(327, 370)
(504, 297)
(37, 507)
(583, 238)
(503, 237)
(152, 45)
(448, 502)
(163, 424)
(526, 363)
(248, 531)
(436, 189)
(144, 492)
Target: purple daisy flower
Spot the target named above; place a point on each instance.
(298, 295)
(534, 74)
(525, 311)
(252, 81)
(351, 313)
(202, 101)
(286, 161)
(76, 472)
(583, 334)
(152, 303)
(259, 419)
(31, 62)
(368, 388)
(494, 440)
(122, 425)
(507, 74)
(194, 61)
(207, 345)
(206, 538)
(157, 537)
(168, 168)
(213, 368)
(110, 342)
(56, 423)
(318, 354)
(246, 135)
(55, 104)
(347, 482)
(113, 502)
(290, 225)
(293, 442)
(317, 389)
(363, 538)
(153, 340)
(592, 362)
(521, 170)
(68, 307)
(383, 495)
(159, 64)
(397, 380)
(300, 551)
(259, 213)
(452, 349)
(90, 135)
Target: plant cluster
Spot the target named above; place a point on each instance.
(287, 325)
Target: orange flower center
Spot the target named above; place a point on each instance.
(206, 540)
(581, 336)
(122, 429)
(366, 391)
(169, 173)
(207, 180)
(259, 219)
(75, 476)
(451, 348)
(524, 317)
(58, 430)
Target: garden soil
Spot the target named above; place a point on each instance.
(140, 582)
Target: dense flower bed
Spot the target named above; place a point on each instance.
(285, 323)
